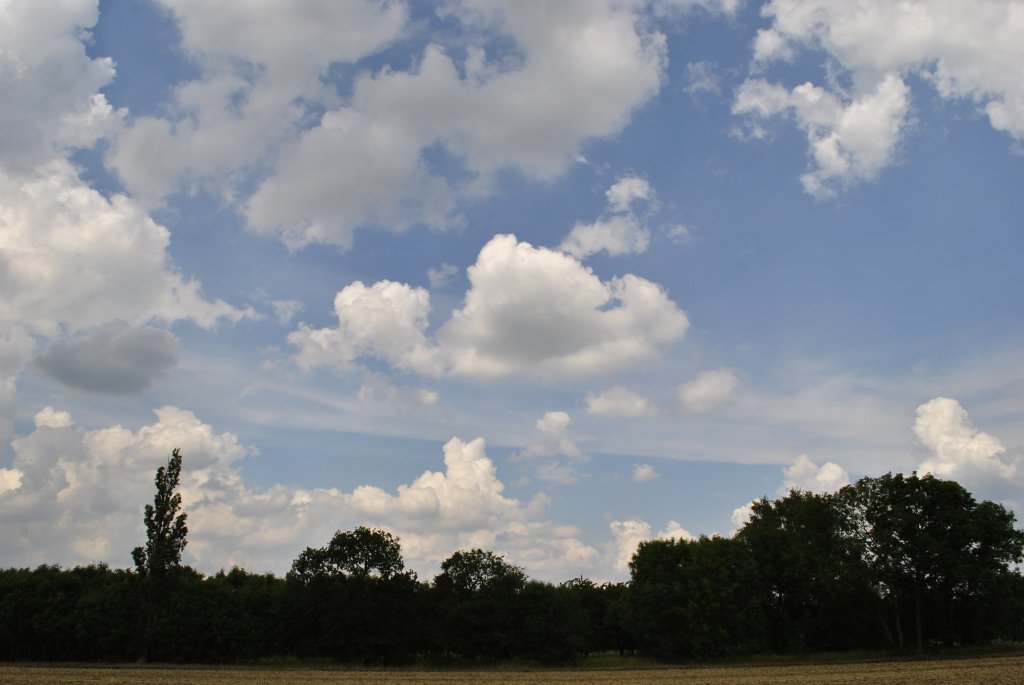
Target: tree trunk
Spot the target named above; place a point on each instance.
(885, 628)
(899, 629)
(917, 615)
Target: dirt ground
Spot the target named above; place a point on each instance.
(996, 670)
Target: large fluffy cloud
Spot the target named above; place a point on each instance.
(535, 312)
(467, 494)
(851, 138)
(73, 495)
(81, 492)
(72, 260)
(50, 86)
(966, 51)
(530, 312)
(351, 170)
(958, 449)
(261, 77)
(583, 68)
(295, 42)
(71, 257)
(524, 87)
(386, 320)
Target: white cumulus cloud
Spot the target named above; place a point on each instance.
(959, 451)
(51, 99)
(803, 474)
(539, 313)
(386, 320)
(966, 51)
(530, 312)
(643, 473)
(617, 234)
(76, 496)
(620, 231)
(258, 63)
(71, 257)
(627, 535)
(467, 494)
(851, 139)
(262, 108)
(73, 261)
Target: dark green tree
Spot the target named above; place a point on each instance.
(166, 530)
(476, 570)
(588, 606)
(817, 594)
(935, 554)
(360, 553)
(479, 598)
(353, 600)
(552, 625)
(695, 598)
(166, 534)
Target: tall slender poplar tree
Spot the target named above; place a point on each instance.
(165, 527)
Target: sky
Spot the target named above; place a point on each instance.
(544, 278)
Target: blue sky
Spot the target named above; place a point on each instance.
(543, 278)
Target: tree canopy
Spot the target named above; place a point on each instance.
(360, 553)
(897, 562)
(931, 550)
(477, 570)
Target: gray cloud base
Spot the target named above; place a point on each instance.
(111, 359)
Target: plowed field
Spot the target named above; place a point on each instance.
(1002, 670)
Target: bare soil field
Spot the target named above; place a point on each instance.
(995, 670)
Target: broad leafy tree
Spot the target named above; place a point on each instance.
(478, 597)
(359, 553)
(695, 598)
(591, 607)
(935, 554)
(817, 594)
(478, 571)
(353, 600)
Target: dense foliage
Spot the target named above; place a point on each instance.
(891, 562)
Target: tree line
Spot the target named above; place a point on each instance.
(894, 562)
